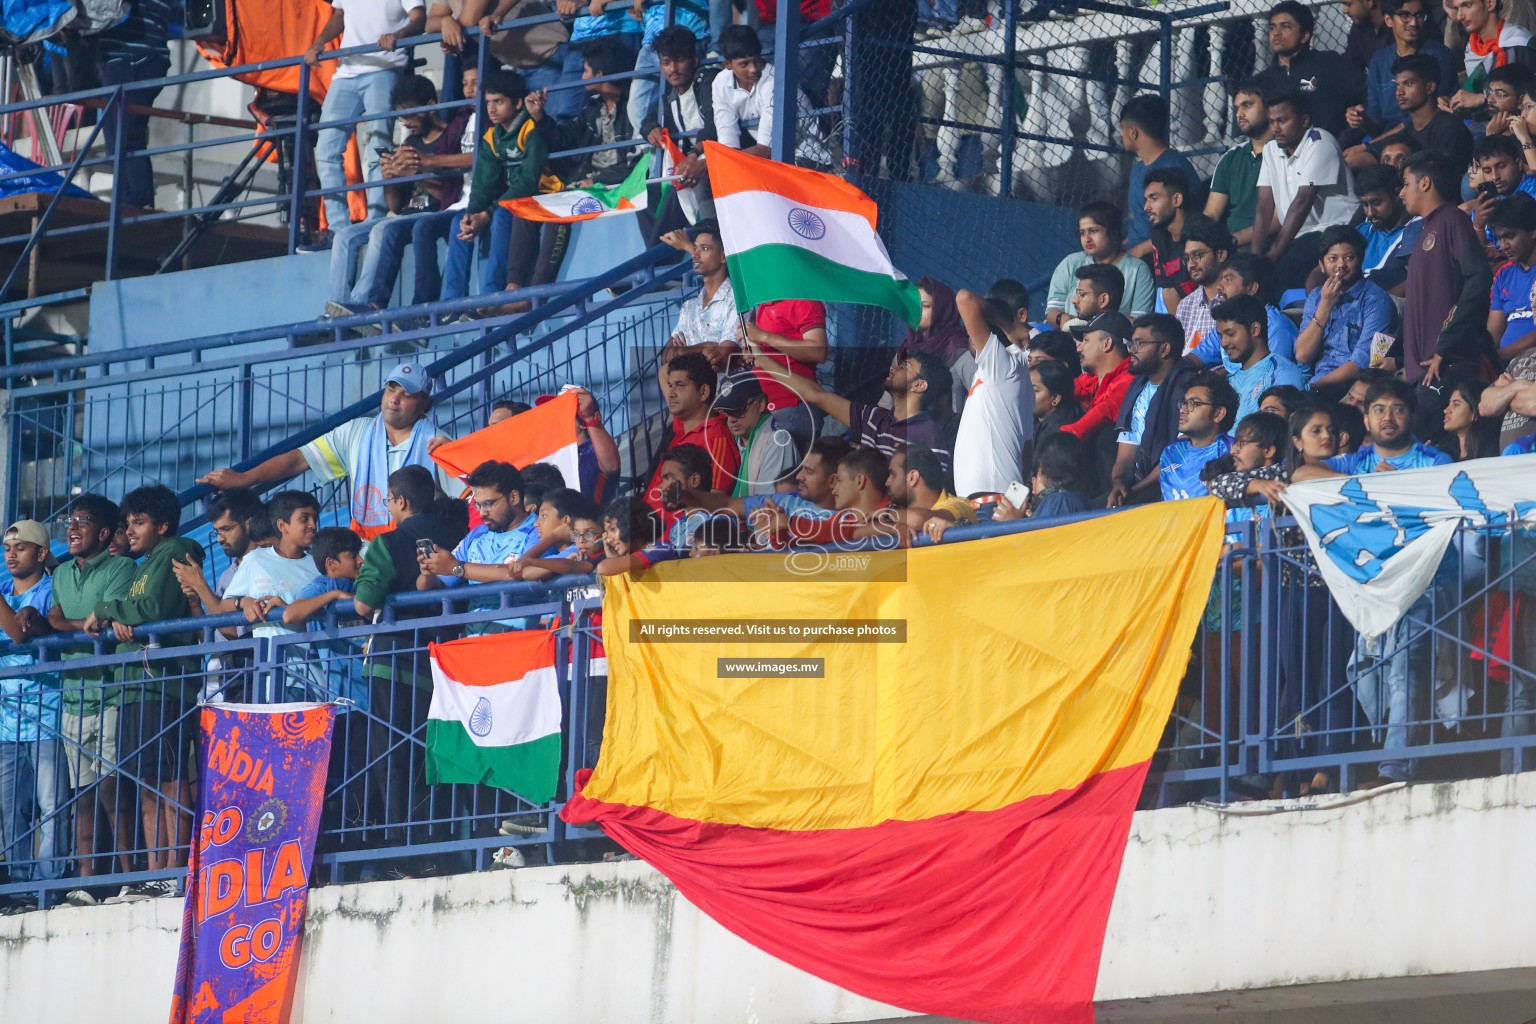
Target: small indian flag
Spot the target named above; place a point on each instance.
(495, 714)
(588, 201)
(545, 433)
(791, 233)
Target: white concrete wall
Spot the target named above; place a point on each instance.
(1413, 905)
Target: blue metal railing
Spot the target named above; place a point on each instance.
(1250, 718)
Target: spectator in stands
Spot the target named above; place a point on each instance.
(1241, 325)
(1412, 34)
(1100, 289)
(428, 137)
(1509, 316)
(34, 780)
(505, 409)
(1205, 417)
(1332, 83)
(1432, 128)
(1008, 301)
(1169, 217)
(768, 458)
(1492, 42)
(1396, 151)
(510, 164)
(337, 555)
(792, 333)
(1368, 31)
(1468, 433)
(1056, 402)
(812, 498)
(1304, 187)
(915, 482)
(858, 491)
(537, 52)
(687, 115)
(1234, 197)
(689, 382)
(1281, 400)
(365, 451)
(1498, 158)
(1100, 231)
(1445, 315)
(693, 15)
(1144, 133)
(631, 532)
(1055, 488)
(603, 120)
(597, 456)
(273, 577)
(88, 719)
(1206, 247)
(611, 21)
(1101, 346)
(505, 532)
(134, 49)
(151, 740)
(1058, 347)
(1149, 416)
(1390, 231)
(684, 468)
(1389, 408)
(360, 87)
(1343, 316)
(1247, 274)
(585, 550)
(1504, 89)
(743, 92)
(916, 385)
(390, 563)
(706, 322)
(992, 441)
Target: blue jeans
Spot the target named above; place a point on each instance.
(425, 234)
(642, 91)
(563, 104)
(721, 15)
(1391, 680)
(360, 95)
(387, 240)
(347, 239)
(494, 262)
(33, 783)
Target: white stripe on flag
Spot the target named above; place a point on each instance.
(750, 219)
(568, 462)
(517, 711)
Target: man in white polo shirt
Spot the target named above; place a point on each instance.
(1304, 187)
(998, 420)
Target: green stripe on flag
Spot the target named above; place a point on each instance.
(767, 273)
(530, 770)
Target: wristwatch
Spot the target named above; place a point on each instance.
(458, 569)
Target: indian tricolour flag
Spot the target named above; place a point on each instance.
(545, 433)
(495, 715)
(791, 233)
(586, 202)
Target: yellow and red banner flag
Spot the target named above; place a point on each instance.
(937, 823)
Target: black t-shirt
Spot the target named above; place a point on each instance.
(1445, 133)
(1168, 270)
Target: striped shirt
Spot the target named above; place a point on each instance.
(876, 427)
(143, 33)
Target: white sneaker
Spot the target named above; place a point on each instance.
(80, 898)
(508, 857)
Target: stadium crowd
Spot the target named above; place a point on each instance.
(1350, 293)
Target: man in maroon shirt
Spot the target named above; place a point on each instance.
(792, 333)
(688, 384)
(1445, 314)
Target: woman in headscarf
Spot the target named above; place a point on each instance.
(941, 332)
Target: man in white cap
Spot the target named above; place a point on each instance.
(365, 451)
(32, 764)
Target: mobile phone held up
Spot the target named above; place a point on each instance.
(1017, 494)
(426, 547)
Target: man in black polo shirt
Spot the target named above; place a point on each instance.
(1333, 83)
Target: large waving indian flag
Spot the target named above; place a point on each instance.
(792, 233)
(937, 823)
(495, 714)
(545, 433)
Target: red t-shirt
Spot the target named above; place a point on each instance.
(810, 10)
(714, 436)
(788, 318)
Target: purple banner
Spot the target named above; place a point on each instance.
(260, 789)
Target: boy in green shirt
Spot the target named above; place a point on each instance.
(152, 735)
(88, 718)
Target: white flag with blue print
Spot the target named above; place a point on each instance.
(1380, 537)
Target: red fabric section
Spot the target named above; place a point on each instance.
(982, 915)
(788, 318)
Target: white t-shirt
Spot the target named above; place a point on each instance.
(997, 422)
(366, 21)
(733, 105)
(467, 143)
(689, 117)
(265, 573)
(1319, 162)
(334, 455)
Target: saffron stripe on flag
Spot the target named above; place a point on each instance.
(531, 770)
(768, 272)
(750, 219)
(731, 173)
(515, 711)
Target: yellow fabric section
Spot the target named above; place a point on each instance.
(1032, 662)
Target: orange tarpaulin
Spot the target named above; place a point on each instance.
(262, 30)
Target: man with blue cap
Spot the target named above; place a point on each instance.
(364, 451)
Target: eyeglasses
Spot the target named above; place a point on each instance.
(1192, 404)
(485, 506)
(1420, 16)
(1136, 344)
(585, 535)
(1197, 254)
(79, 521)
